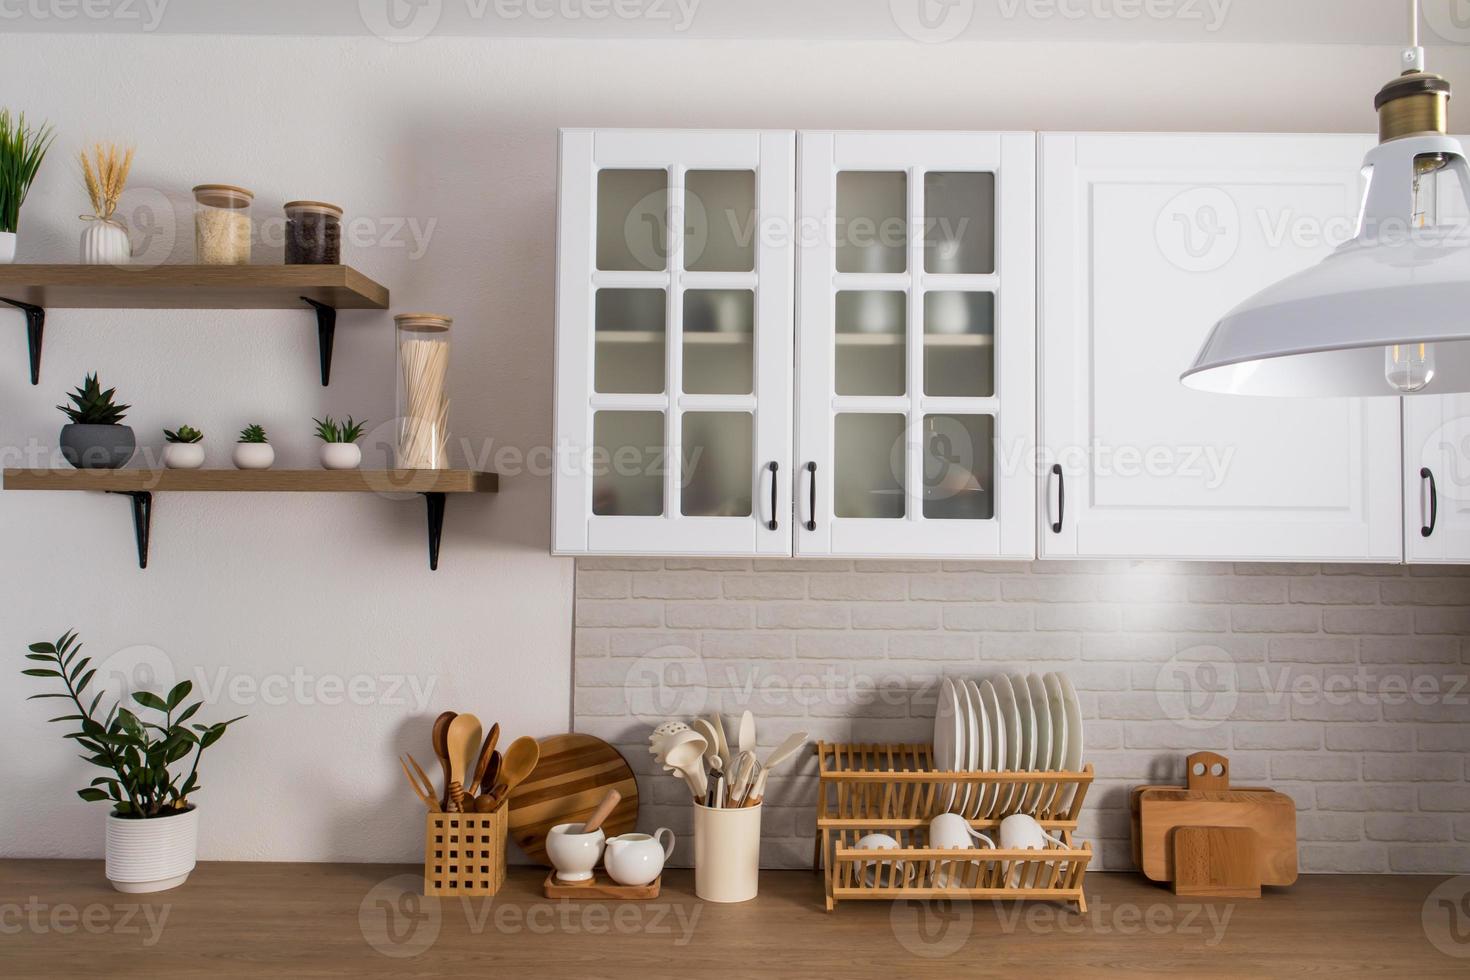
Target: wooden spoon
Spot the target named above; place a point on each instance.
(483, 762)
(603, 811)
(461, 741)
(520, 760)
(441, 751)
(491, 775)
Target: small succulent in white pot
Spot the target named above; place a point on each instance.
(339, 443)
(253, 450)
(152, 828)
(184, 449)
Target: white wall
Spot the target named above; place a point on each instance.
(461, 131)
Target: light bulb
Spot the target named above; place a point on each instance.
(1409, 367)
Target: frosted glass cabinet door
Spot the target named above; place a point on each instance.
(916, 345)
(673, 343)
(1146, 240)
(1437, 478)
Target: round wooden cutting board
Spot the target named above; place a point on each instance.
(574, 774)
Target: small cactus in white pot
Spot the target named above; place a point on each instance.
(184, 448)
(253, 450)
(339, 443)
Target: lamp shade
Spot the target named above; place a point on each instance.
(1323, 332)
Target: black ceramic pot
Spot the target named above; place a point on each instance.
(97, 447)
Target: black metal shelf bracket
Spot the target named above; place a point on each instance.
(35, 326)
(436, 527)
(326, 332)
(142, 520)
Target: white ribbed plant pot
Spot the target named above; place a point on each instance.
(105, 243)
(7, 247)
(151, 855)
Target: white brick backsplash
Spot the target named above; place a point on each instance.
(1317, 659)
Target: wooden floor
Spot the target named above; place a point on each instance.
(316, 920)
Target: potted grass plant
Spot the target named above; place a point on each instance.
(253, 449)
(22, 148)
(152, 766)
(339, 443)
(105, 240)
(95, 438)
(183, 449)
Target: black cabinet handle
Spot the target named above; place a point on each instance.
(771, 525)
(811, 524)
(1427, 474)
(1056, 471)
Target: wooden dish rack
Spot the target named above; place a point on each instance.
(895, 790)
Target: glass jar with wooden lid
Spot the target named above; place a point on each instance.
(423, 390)
(313, 233)
(222, 224)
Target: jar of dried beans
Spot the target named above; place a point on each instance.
(222, 224)
(313, 233)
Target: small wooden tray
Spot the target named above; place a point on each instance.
(600, 888)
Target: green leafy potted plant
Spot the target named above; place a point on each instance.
(152, 767)
(184, 449)
(253, 450)
(95, 438)
(22, 148)
(339, 443)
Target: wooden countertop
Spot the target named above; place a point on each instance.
(362, 920)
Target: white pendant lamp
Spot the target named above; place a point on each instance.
(1388, 313)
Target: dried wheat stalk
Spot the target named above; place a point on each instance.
(107, 177)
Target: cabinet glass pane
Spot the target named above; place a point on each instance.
(959, 344)
(633, 220)
(959, 228)
(871, 353)
(717, 457)
(870, 465)
(719, 220)
(719, 341)
(629, 354)
(628, 463)
(872, 221)
(959, 467)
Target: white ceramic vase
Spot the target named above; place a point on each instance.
(183, 455)
(254, 455)
(341, 456)
(105, 243)
(151, 855)
(7, 247)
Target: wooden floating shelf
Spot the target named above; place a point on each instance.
(141, 484)
(324, 288)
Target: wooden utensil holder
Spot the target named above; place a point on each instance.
(895, 790)
(464, 853)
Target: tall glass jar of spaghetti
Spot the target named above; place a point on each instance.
(423, 391)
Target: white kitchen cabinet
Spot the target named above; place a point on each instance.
(1437, 478)
(1146, 241)
(916, 344)
(674, 343)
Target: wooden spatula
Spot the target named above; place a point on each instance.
(483, 762)
(461, 741)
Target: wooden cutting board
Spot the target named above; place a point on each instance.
(1208, 801)
(574, 774)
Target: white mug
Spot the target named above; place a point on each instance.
(950, 831)
(1021, 832)
(574, 853)
(637, 859)
(872, 871)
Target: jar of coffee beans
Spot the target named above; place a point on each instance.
(313, 233)
(222, 224)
